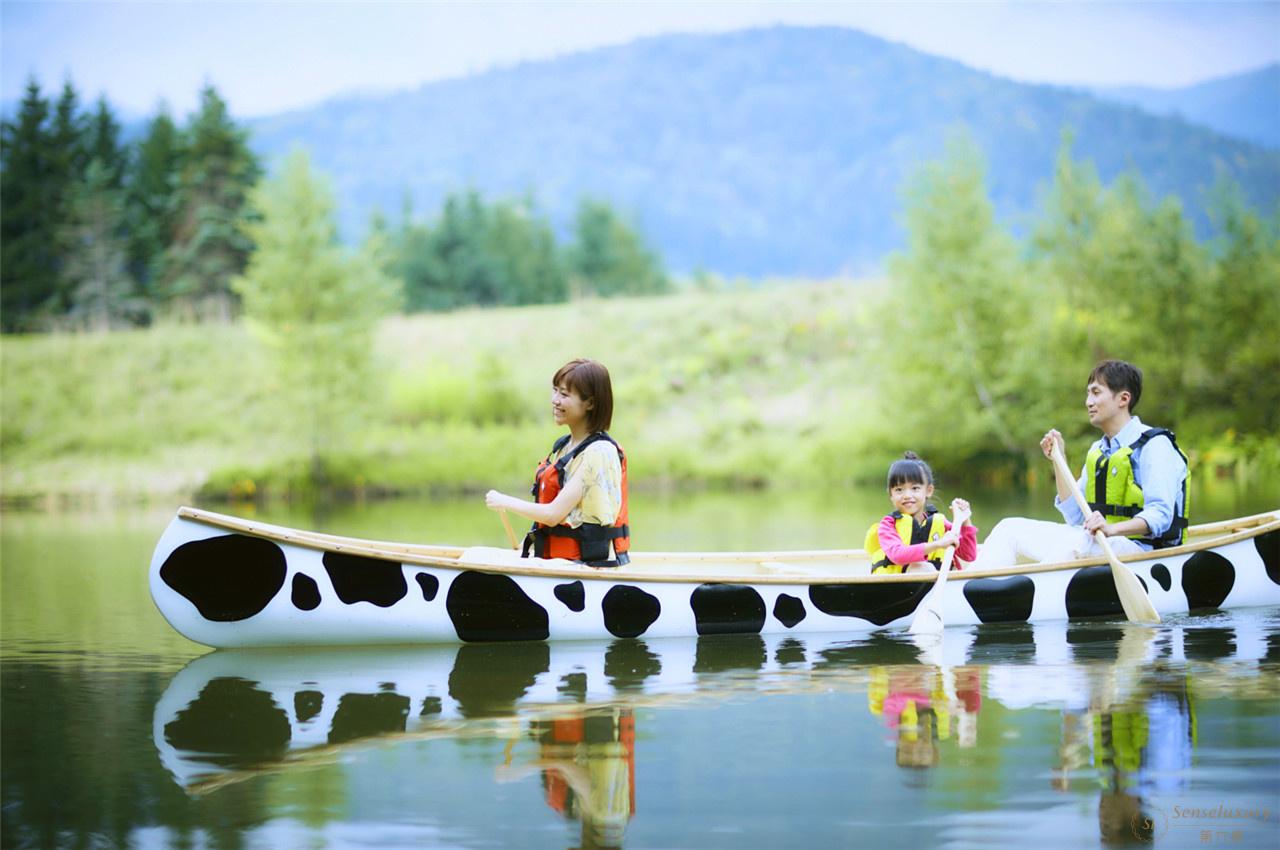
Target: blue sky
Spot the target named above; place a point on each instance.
(271, 57)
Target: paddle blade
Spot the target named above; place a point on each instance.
(928, 619)
(1133, 598)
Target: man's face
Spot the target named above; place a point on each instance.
(1103, 405)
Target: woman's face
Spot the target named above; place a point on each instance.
(567, 407)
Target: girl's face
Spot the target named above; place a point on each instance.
(910, 497)
(567, 407)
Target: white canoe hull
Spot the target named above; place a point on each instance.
(226, 582)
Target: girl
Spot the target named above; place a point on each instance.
(913, 537)
(579, 510)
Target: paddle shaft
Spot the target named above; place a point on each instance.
(1133, 598)
(506, 523)
(928, 616)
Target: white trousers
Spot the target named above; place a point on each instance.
(1018, 540)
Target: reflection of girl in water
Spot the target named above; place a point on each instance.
(914, 701)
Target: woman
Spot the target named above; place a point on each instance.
(580, 490)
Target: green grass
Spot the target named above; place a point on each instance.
(741, 388)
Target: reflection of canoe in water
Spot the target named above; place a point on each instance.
(231, 715)
(228, 582)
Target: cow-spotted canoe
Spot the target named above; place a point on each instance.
(229, 582)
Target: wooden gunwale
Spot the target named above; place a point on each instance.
(1237, 529)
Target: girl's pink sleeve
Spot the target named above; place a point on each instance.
(894, 549)
(967, 549)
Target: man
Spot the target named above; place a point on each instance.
(1134, 478)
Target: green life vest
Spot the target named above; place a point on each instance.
(934, 527)
(1115, 493)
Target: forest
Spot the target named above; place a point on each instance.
(98, 232)
(251, 351)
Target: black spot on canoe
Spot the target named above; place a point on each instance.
(572, 595)
(628, 662)
(1207, 578)
(875, 603)
(487, 680)
(1001, 600)
(1160, 573)
(629, 611)
(487, 607)
(788, 610)
(231, 724)
(722, 653)
(727, 609)
(1268, 546)
(227, 578)
(365, 715)
(429, 584)
(1092, 593)
(359, 579)
(306, 594)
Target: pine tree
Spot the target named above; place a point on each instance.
(102, 291)
(152, 199)
(28, 274)
(210, 246)
(102, 142)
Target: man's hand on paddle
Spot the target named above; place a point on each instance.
(1047, 441)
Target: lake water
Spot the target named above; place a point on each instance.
(117, 732)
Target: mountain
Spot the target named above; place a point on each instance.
(1246, 106)
(772, 151)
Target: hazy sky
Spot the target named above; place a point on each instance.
(269, 57)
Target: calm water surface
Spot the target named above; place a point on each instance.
(117, 732)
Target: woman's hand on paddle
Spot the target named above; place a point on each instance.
(951, 538)
(495, 501)
(1047, 441)
(960, 512)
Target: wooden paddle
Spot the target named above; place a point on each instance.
(1133, 597)
(506, 523)
(928, 619)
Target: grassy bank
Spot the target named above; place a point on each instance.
(712, 389)
(777, 385)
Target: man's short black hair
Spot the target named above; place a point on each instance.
(1117, 375)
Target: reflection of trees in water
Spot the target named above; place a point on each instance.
(80, 768)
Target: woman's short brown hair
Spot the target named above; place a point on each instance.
(589, 380)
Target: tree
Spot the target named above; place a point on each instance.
(315, 305)
(210, 245)
(608, 257)
(102, 142)
(1239, 322)
(153, 200)
(102, 291)
(28, 272)
(959, 318)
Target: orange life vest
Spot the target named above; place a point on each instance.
(590, 541)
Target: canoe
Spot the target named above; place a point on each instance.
(229, 582)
